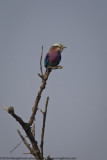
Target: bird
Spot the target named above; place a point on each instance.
(53, 57)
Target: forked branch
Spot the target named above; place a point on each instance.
(35, 150)
(41, 62)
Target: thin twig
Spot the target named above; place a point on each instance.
(41, 111)
(17, 145)
(41, 62)
(57, 67)
(26, 153)
(43, 128)
(33, 127)
(40, 75)
(5, 107)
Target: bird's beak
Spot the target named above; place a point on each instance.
(64, 47)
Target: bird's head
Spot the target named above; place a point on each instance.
(57, 47)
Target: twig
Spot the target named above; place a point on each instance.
(41, 111)
(43, 128)
(33, 127)
(56, 67)
(16, 146)
(5, 107)
(41, 62)
(40, 76)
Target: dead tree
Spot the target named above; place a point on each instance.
(27, 126)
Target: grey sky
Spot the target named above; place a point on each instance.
(77, 111)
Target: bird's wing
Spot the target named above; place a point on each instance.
(46, 59)
(60, 57)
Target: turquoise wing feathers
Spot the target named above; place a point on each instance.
(46, 60)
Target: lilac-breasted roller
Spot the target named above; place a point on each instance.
(53, 57)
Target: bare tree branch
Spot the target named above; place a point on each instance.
(10, 110)
(27, 129)
(25, 142)
(27, 126)
(41, 62)
(43, 128)
(42, 87)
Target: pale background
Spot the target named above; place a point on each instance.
(77, 111)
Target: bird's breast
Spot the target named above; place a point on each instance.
(54, 57)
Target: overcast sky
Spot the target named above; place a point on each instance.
(77, 112)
